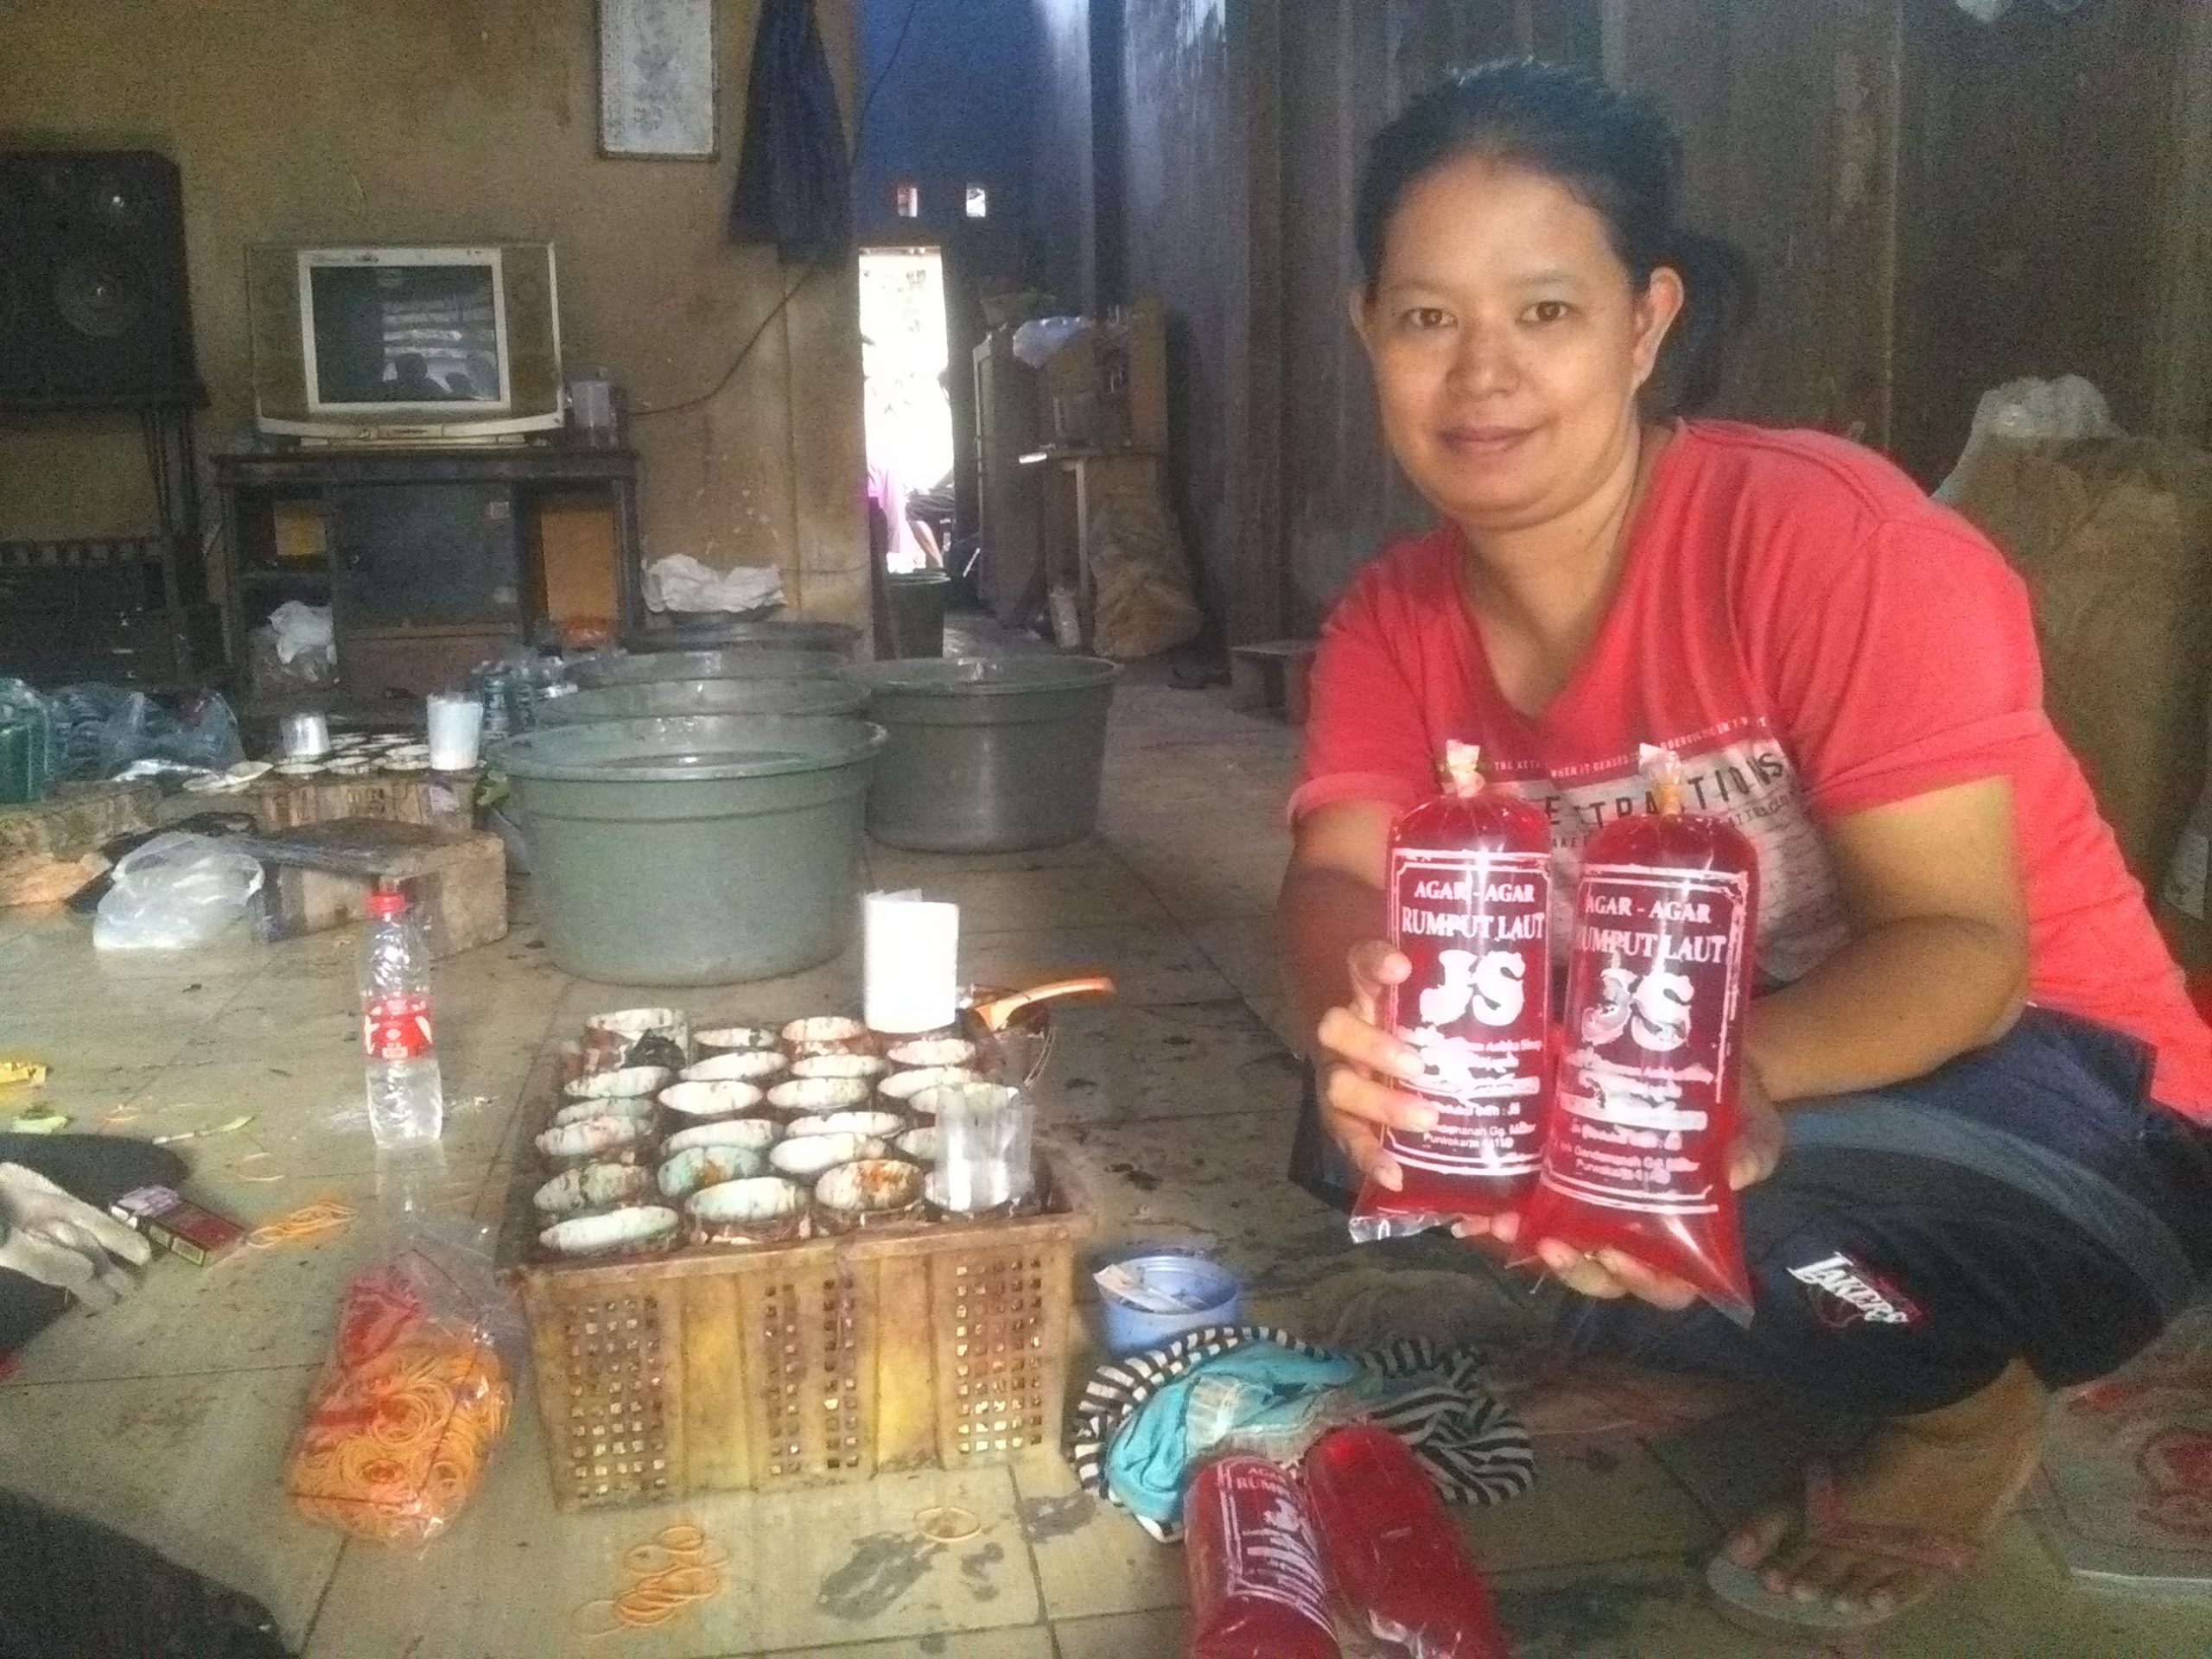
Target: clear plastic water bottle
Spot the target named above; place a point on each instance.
(406, 1098)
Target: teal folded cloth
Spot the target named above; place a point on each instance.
(1146, 1422)
(1260, 1392)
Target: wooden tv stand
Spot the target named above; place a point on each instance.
(425, 554)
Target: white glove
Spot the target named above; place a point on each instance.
(61, 1240)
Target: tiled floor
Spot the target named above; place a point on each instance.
(168, 1416)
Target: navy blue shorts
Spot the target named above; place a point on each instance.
(2027, 1201)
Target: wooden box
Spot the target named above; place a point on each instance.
(319, 876)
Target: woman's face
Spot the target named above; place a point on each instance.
(1508, 343)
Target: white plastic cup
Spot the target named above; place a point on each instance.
(457, 732)
(911, 957)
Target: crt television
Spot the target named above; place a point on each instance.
(368, 345)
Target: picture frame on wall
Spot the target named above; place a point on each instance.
(659, 80)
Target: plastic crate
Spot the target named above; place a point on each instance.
(788, 1365)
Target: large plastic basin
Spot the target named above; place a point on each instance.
(798, 633)
(699, 850)
(660, 699)
(986, 755)
(730, 663)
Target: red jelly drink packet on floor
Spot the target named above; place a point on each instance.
(1258, 1588)
(1391, 1547)
(1470, 895)
(1636, 1151)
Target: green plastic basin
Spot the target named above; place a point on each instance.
(732, 663)
(986, 755)
(791, 634)
(658, 699)
(702, 849)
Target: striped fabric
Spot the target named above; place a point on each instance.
(1472, 1448)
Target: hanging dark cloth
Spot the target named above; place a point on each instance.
(795, 183)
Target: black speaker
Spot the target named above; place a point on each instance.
(94, 309)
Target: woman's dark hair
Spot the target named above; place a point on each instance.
(1618, 152)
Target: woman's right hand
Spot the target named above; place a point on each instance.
(1360, 1063)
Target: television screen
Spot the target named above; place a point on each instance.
(406, 333)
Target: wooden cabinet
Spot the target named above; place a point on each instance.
(426, 558)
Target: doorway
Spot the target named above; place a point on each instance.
(905, 356)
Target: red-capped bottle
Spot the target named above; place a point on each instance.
(1470, 895)
(1659, 981)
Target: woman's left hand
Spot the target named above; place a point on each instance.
(1610, 1273)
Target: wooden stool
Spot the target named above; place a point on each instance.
(1271, 676)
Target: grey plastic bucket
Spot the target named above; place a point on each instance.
(798, 633)
(662, 699)
(695, 851)
(916, 601)
(731, 663)
(986, 755)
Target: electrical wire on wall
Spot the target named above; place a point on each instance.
(807, 274)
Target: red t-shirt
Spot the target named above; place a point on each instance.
(1814, 637)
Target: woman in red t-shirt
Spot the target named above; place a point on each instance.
(1971, 1167)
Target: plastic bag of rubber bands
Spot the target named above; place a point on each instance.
(413, 1398)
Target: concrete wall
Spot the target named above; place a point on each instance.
(434, 120)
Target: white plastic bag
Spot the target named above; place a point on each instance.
(175, 892)
(300, 627)
(680, 582)
(2033, 412)
(1037, 343)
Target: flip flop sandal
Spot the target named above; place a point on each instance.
(1740, 1598)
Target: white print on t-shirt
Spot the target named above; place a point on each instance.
(1750, 783)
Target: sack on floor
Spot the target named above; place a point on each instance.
(1141, 580)
(413, 1398)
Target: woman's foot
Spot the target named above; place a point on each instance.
(1947, 1478)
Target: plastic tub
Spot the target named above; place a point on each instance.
(661, 699)
(798, 633)
(732, 663)
(917, 604)
(1213, 1291)
(987, 755)
(702, 850)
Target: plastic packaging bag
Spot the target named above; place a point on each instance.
(1258, 1588)
(2031, 412)
(1636, 1150)
(176, 891)
(300, 629)
(1040, 339)
(412, 1399)
(1396, 1558)
(1469, 893)
(107, 729)
(680, 582)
